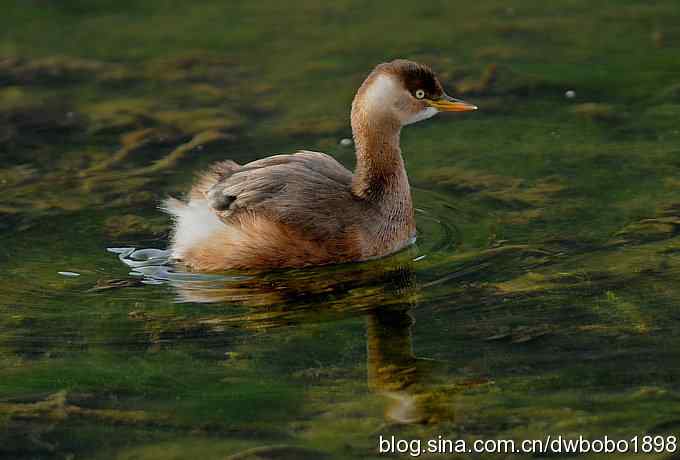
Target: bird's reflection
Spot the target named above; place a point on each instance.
(392, 366)
(385, 291)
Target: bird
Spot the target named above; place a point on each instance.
(306, 209)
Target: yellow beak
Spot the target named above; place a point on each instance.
(448, 104)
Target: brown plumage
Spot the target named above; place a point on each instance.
(306, 208)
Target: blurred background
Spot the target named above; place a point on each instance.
(541, 297)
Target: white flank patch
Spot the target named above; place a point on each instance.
(195, 222)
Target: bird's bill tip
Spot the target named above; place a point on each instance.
(449, 104)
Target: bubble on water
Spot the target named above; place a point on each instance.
(346, 142)
(70, 274)
(570, 94)
(142, 257)
(149, 254)
(157, 266)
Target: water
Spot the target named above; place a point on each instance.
(541, 297)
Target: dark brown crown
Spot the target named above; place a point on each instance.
(414, 76)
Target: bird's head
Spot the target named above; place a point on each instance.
(403, 92)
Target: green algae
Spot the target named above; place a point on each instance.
(130, 225)
(594, 111)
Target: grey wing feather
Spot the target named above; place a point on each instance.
(285, 187)
(314, 161)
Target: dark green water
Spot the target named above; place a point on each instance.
(542, 297)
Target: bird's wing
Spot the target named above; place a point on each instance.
(300, 189)
(317, 162)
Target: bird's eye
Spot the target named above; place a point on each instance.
(420, 94)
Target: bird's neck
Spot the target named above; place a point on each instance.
(380, 174)
(380, 178)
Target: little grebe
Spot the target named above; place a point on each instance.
(306, 208)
